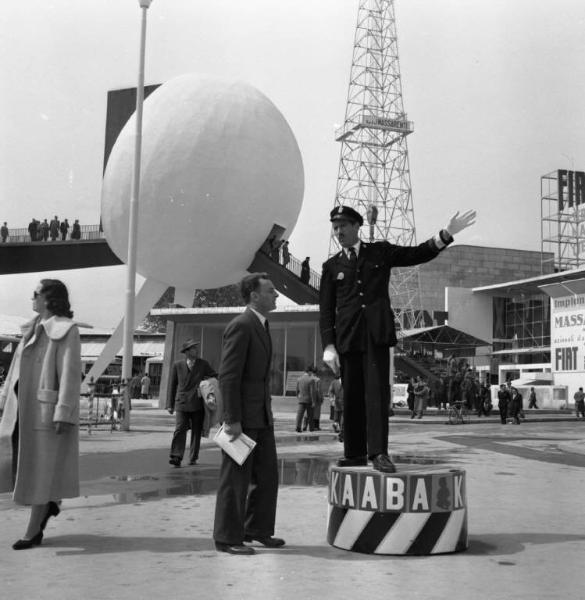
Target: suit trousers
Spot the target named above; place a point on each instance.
(366, 397)
(185, 420)
(302, 408)
(247, 494)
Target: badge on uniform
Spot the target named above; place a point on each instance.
(340, 276)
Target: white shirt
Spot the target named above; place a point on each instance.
(261, 317)
(356, 247)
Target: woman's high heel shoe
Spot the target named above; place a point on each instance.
(26, 544)
(52, 511)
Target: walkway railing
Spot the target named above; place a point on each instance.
(22, 236)
(294, 265)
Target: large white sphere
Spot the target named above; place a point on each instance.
(220, 167)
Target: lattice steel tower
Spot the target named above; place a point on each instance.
(374, 172)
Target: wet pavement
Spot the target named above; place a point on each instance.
(142, 529)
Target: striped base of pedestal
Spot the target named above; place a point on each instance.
(414, 512)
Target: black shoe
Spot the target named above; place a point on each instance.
(356, 461)
(193, 462)
(52, 511)
(383, 463)
(268, 541)
(234, 548)
(298, 430)
(176, 462)
(26, 544)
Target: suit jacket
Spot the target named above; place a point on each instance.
(354, 299)
(244, 372)
(183, 392)
(306, 392)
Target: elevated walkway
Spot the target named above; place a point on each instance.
(20, 255)
(412, 368)
(34, 257)
(286, 279)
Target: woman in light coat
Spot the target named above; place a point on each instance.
(39, 435)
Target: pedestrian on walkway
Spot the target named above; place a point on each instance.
(64, 228)
(245, 509)
(76, 230)
(145, 387)
(532, 399)
(410, 397)
(4, 232)
(305, 271)
(184, 399)
(306, 395)
(39, 433)
(579, 398)
(43, 231)
(336, 396)
(421, 397)
(285, 254)
(54, 228)
(503, 401)
(514, 406)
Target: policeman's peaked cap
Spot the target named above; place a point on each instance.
(345, 213)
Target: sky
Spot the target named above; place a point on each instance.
(495, 89)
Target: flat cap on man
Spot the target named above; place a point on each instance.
(188, 344)
(345, 213)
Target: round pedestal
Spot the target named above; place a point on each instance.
(417, 511)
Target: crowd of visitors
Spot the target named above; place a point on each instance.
(41, 231)
(279, 252)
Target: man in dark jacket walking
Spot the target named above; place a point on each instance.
(357, 327)
(184, 399)
(504, 398)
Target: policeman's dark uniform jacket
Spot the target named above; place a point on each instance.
(357, 318)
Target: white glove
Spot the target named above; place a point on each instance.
(331, 358)
(460, 222)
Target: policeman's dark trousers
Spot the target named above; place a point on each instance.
(183, 422)
(246, 496)
(366, 397)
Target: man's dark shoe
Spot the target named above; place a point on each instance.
(176, 462)
(356, 461)
(383, 463)
(269, 542)
(234, 548)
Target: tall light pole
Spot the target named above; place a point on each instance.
(127, 352)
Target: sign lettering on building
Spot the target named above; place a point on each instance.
(571, 188)
(568, 334)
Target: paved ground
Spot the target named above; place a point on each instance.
(143, 529)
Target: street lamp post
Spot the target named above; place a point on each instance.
(128, 343)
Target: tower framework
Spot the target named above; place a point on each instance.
(562, 195)
(374, 172)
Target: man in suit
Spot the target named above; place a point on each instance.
(245, 509)
(306, 397)
(184, 399)
(357, 328)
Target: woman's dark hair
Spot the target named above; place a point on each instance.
(57, 298)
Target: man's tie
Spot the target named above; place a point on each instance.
(352, 255)
(267, 327)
